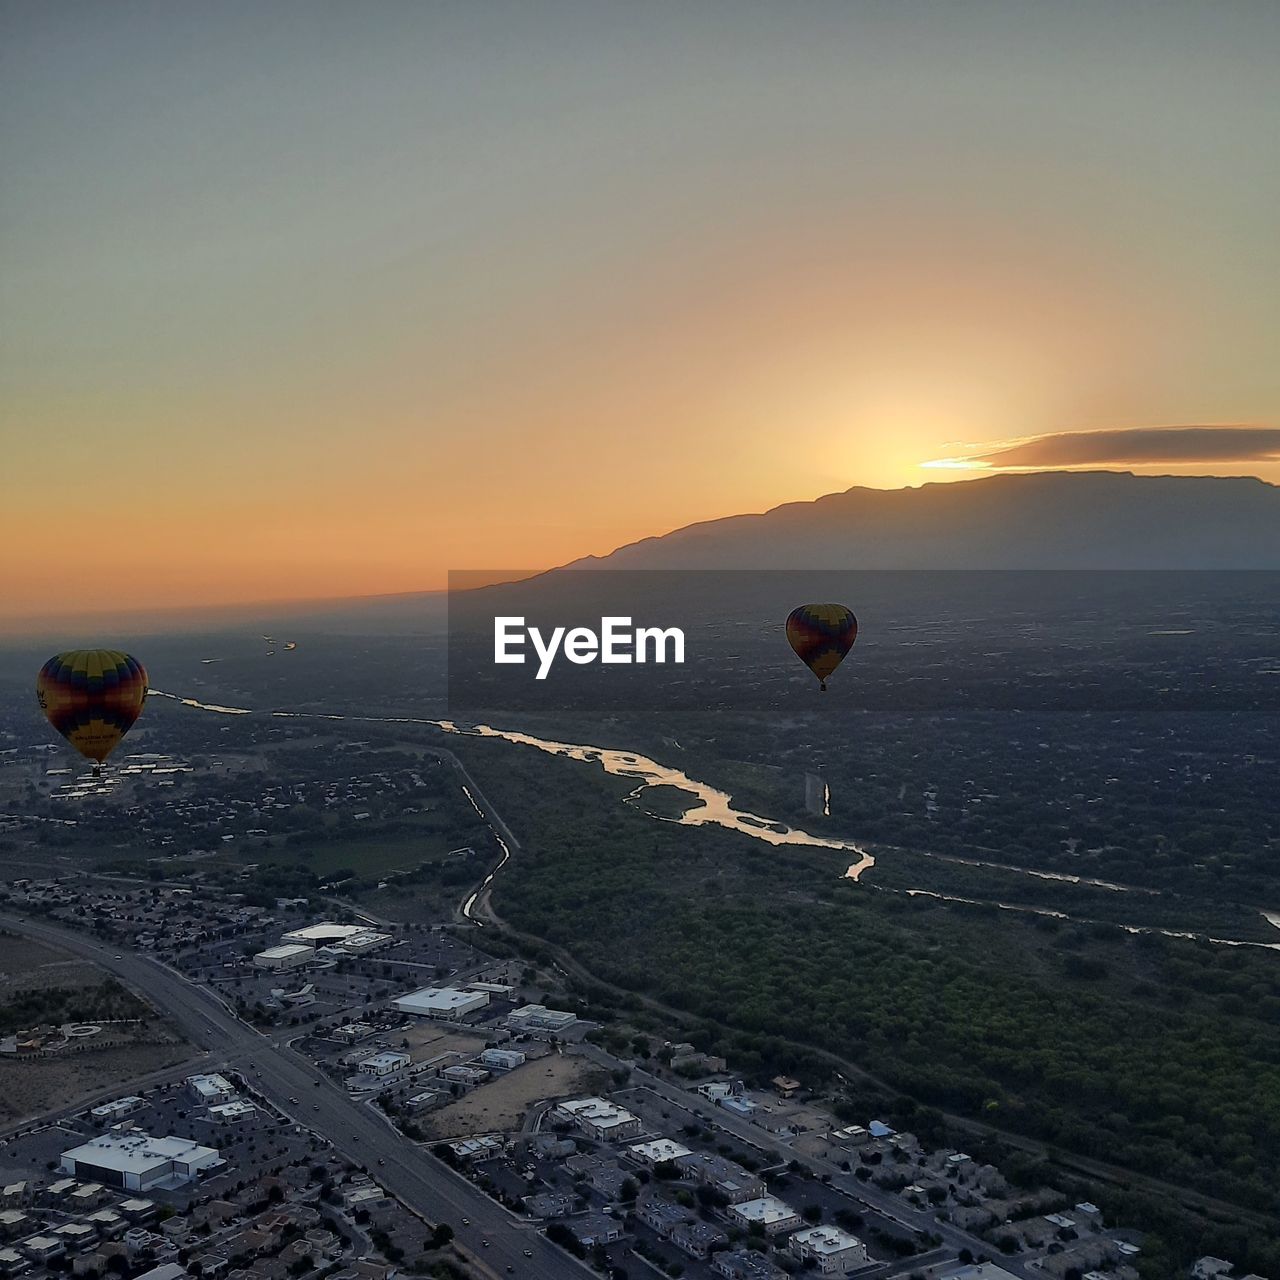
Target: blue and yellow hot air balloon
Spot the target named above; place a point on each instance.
(92, 697)
(821, 634)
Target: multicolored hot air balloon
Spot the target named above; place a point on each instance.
(92, 697)
(821, 634)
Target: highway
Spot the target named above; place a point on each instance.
(280, 1073)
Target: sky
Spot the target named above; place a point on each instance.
(323, 299)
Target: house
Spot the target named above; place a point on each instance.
(785, 1086)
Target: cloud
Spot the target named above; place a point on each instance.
(1124, 446)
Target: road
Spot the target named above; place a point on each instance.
(280, 1073)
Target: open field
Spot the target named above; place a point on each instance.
(39, 984)
(31, 1088)
(430, 1039)
(501, 1104)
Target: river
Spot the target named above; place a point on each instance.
(715, 807)
(712, 807)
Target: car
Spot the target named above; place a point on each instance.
(293, 1102)
(485, 1243)
(381, 1160)
(315, 1106)
(466, 1222)
(528, 1253)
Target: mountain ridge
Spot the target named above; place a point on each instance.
(1041, 520)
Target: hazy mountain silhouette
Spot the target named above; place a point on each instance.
(1047, 520)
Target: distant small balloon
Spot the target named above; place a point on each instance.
(92, 697)
(821, 635)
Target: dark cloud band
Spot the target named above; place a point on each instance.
(1134, 446)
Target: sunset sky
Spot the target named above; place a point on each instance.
(318, 299)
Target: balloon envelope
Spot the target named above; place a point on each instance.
(92, 697)
(821, 634)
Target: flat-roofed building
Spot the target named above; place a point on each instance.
(727, 1177)
(386, 1063)
(324, 934)
(233, 1112)
(211, 1089)
(659, 1151)
(117, 1110)
(773, 1215)
(831, 1251)
(538, 1019)
(448, 1003)
(502, 1059)
(604, 1121)
(288, 955)
(746, 1264)
(136, 1161)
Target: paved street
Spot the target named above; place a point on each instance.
(280, 1073)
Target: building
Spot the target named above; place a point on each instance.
(746, 1264)
(109, 1112)
(441, 1002)
(502, 1059)
(766, 1211)
(136, 1161)
(288, 955)
(785, 1086)
(536, 1018)
(659, 1151)
(727, 1177)
(464, 1075)
(165, 1271)
(208, 1090)
(833, 1252)
(232, 1112)
(604, 1121)
(595, 1229)
(324, 934)
(978, 1271)
(697, 1239)
(363, 942)
(385, 1064)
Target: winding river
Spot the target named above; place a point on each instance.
(714, 807)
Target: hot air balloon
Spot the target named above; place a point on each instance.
(92, 697)
(821, 634)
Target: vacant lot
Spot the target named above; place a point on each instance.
(40, 984)
(501, 1104)
(430, 1039)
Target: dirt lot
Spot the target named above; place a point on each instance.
(31, 1088)
(500, 1105)
(29, 966)
(430, 1039)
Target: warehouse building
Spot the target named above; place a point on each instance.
(137, 1162)
(288, 955)
(441, 1002)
